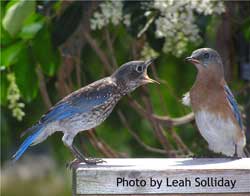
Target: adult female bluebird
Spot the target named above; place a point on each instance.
(87, 107)
(216, 112)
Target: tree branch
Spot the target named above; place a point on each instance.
(136, 137)
(43, 88)
(165, 120)
(157, 128)
(110, 47)
(92, 42)
(100, 145)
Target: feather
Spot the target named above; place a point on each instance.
(233, 105)
(27, 142)
(186, 99)
(81, 101)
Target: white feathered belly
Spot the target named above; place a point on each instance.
(220, 134)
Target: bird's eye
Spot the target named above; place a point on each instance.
(206, 55)
(139, 68)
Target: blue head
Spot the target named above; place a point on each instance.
(132, 75)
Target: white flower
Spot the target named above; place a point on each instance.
(176, 22)
(127, 19)
(110, 12)
(148, 52)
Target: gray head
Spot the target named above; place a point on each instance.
(132, 75)
(207, 59)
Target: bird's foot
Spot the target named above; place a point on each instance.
(235, 157)
(93, 161)
(73, 164)
(195, 156)
(89, 161)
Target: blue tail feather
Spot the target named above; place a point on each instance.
(27, 142)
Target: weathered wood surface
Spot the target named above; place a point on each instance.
(177, 176)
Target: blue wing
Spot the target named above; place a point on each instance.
(233, 105)
(81, 101)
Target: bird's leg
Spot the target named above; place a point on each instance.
(235, 152)
(79, 157)
(68, 141)
(85, 159)
(73, 164)
(77, 154)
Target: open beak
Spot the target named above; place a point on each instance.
(146, 78)
(192, 60)
(149, 62)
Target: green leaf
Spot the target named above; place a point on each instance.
(30, 30)
(45, 54)
(2, 10)
(5, 37)
(26, 77)
(246, 32)
(10, 54)
(3, 88)
(16, 15)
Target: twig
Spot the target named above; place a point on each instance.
(43, 88)
(145, 28)
(136, 137)
(100, 145)
(155, 75)
(158, 131)
(179, 141)
(165, 120)
(92, 42)
(110, 47)
(78, 72)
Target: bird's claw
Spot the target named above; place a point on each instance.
(93, 161)
(235, 157)
(88, 161)
(73, 164)
(194, 156)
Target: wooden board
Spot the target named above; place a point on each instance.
(163, 176)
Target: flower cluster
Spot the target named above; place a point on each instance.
(176, 22)
(148, 52)
(206, 7)
(110, 12)
(13, 96)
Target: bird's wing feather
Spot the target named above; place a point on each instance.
(233, 105)
(81, 101)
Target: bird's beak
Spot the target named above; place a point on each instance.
(149, 62)
(145, 77)
(192, 60)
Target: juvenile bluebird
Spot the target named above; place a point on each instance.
(216, 112)
(87, 108)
